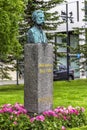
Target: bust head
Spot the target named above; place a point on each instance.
(38, 17)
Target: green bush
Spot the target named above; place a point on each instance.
(15, 117)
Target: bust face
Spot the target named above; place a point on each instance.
(40, 19)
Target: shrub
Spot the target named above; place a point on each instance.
(15, 117)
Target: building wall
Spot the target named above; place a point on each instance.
(76, 7)
(78, 15)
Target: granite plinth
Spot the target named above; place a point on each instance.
(38, 77)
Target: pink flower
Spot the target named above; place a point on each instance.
(32, 119)
(15, 123)
(64, 118)
(40, 118)
(50, 113)
(61, 110)
(8, 110)
(11, 116)
(7, 105)
(70, 107)
(82, 109)
(1, 111)
(63, 128)
(15, 112)
(17, 105)
(76, 112)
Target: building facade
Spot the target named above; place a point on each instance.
(72, 13)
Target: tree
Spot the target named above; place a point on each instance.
(51, 24)
(11, 13)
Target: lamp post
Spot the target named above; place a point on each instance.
(17, 71)
(66, 18)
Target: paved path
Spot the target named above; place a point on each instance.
(6, 82)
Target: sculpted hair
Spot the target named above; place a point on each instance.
(35, 14)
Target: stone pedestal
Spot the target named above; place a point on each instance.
(38, 77)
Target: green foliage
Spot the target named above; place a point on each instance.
(65, 94)
(49, 124)
(16, 117)
(13, 117)
(10, 14)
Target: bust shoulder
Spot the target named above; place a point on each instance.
(33, 29)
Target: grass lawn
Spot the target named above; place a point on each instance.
(70, 93)
(64, 94)
(11, 94)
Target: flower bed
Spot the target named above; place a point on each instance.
(15, 117)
